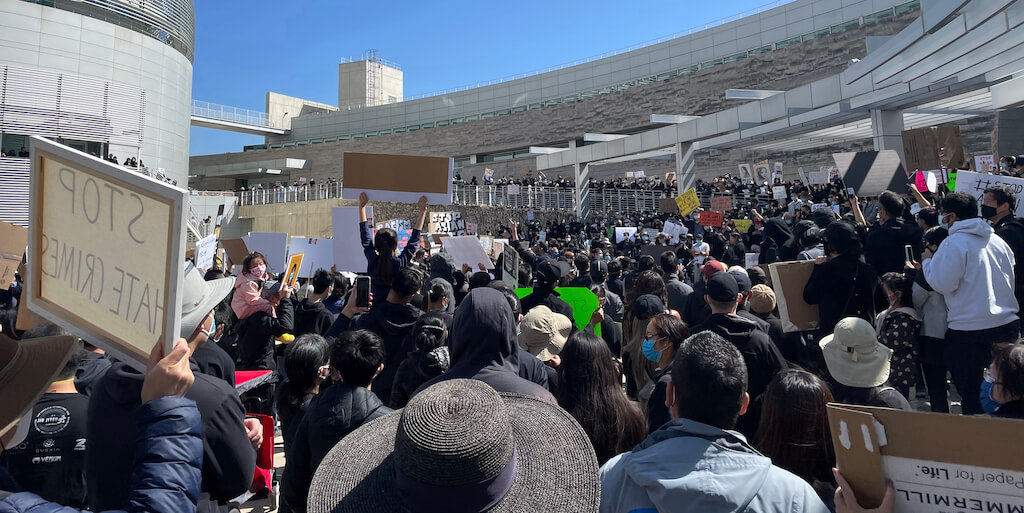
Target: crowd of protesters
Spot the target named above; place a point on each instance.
(439, 388)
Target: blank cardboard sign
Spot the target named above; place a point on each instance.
(399, 178)
(870, 173)
(13, 240)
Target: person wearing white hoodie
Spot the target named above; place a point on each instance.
(697, 462)
(973, 270)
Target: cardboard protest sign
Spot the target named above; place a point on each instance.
(622, 231)
(779, 192)
(487, 243)
(529, 215)
(466, 249)
(817, 178)
(777, 173)
(673, 230)
(348, 251)
(918, 452)
(400, 178)
(687, 201)
(788, 280)
(447, 223)
(395, 224)
(105, 251)
(236, 250)
(951, 147)
(510, 266)
(667, 206)
(471, 228)
(976, 183)
(583, 302)
(488, 172)
(721, 203)
(513, 190)
(750, 259)
(205, 249)
(985, 163)
(317, 254)
(273, 246)
(803, 176)
(711, 219)
(291, 277)
(870, 173)
(921, 149)
(746, 174)
(629, 174)
(742, 225)
(13, 241)
(762, 172)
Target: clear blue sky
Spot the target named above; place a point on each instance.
(244, 49)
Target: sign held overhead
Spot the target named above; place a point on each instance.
(399, 178)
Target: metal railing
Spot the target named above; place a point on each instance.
(232, 114)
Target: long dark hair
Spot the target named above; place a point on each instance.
(647, 282)
(430, 332)
(590, 391)
(794, 429)
(302, 362)
(385, 243)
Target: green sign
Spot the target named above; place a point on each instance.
(583, 302)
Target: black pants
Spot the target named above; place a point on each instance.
(933, 362)
(968, 353)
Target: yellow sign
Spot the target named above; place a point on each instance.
(106, 251)
(294, 264)
(687, 201)
(742, 225)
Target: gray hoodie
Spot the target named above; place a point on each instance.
(689, 466)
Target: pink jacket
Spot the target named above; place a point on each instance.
(247, 299)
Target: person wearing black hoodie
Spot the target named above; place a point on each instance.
(357, 359)
(392, 321)
(887, 240)
(776, 235)
(311, 315)
(548, 274)
(257, 332)
(759, 353)
(484, 346)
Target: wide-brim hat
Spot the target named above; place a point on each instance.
(199, 297)
(26, 368)
(452, 434)
(854, 356)
(543, 333)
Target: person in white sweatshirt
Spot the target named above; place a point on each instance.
(973, 270)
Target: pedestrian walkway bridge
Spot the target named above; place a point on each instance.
(233, 119)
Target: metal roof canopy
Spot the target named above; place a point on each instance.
(956, 61)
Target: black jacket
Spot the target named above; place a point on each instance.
(678, 292)
(841, 287)
(548, 298)
(312, 317)
(416, 369)
(697, 310)
(256, 335)
(532, 369)
(484, 346)
(330, 416)
(789, 344)
(735, 255)
(1011, 230)
(228, 457)
(392, 322)
(885, 248)
(214, 361)
(759, 353)
(91, 367)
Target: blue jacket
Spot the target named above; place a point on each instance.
(378, 287)
(690, 466)
(168, 463)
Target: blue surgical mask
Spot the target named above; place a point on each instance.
(213, 328)
(988, 404)
(649, 352)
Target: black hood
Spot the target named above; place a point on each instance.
(308, 306)
(123, 384)
(484, 334)
(777, 230)
(394, 320)
(730, 325)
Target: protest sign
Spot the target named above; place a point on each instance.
(711, 219)
(673, 230)
(721, 203)
(817, 178)
(927, 181)
(13, 241)
(687, 201)
(27, 319)
(654, 250)
(273, 246)
(348, 252)
(788, 281)
(976, 183)
(236, 250)
(529, 215)
(488, 173)
(513, 190)
(750, 259)
(205, 249)
(317, 254)
(762, 172)
(622, 231)
(921, 149)
(395, 224)
(294, 264)
(487, 243)
(667, 206)
(466, 249)
(669, 178)
(629, 174)
(779, 192)
(803, 176)
(816, 206)
(746, 175)
(106, 251)
(742, 225)
(400, 178)
(447, 223)
(870, 173)
(777, 173)
(984, 163)
(583, 302)
(913, 450)
(510, 266)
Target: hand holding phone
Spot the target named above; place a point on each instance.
(362, 291)
(909, 252)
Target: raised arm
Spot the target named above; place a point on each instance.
(423, 212)
(363, 200)
(857, 214)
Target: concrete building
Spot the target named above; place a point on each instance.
(106, 77)
(368, 82)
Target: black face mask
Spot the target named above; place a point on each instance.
(988, 212)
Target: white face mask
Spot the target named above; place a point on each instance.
(21, 430)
